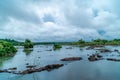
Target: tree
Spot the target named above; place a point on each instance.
(7, 49)
(81, 41)
(28, 44)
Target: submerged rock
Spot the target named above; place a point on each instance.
(113, 59)
(69, 48)
(116, 50)
(71, 59)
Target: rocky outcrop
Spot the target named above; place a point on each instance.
(71, 59)
(48, 68)
(32, 70)
(95, 57)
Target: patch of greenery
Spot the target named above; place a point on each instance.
(57, 46)
(99, 42)
(7, 49)
(28, 44)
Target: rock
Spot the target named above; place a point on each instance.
(49, 50)
(92, 58)
(27, 64)
(48, 68)
(116, 50)
(113, 59)
(38, 57)
(30, 66)
(15, 68)
(94, 46)
(95, 57)
(54, 66)
(99, 56)
(69, 48)
(90, 47)
(71, 59)
(5, 70)
(105, 50)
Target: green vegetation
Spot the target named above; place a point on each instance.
(81, 41)
(28, 44)
(7, 49)
(13, 42)
(56, 46)
(99, 42)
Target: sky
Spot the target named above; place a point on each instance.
(59, 20)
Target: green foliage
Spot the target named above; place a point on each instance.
(81, 41)
(99, 42)
(7, 49)
(13, 42)
(56, 46)
(28, 44)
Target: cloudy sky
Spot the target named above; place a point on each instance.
(59, 20)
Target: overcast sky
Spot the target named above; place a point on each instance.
(59, 20)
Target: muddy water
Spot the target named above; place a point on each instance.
(78, 70)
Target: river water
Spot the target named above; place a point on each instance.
(73, 70)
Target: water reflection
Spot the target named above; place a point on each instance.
(78, 70)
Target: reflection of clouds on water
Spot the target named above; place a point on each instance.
(78, 70)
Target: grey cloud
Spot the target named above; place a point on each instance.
(17, 9)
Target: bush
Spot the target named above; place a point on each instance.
(28, 44)
(56, 46)
(7, 49)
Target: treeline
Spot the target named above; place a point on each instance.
(79, 42)
(99, 42)
(12, 41)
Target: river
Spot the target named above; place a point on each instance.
(73, 70)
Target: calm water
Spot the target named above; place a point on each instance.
(78, 70)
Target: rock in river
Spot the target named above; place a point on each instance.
(71, 59)
(48, 68)
(95, 57)
(113, 59)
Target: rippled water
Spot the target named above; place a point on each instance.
(77, 70)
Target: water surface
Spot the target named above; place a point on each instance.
(77, 70)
